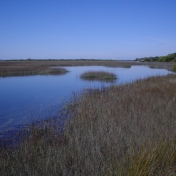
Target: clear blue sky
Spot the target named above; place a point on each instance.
(99, 29)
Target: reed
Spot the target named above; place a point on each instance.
(98, 75)
(121, 130)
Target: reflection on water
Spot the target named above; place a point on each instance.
(23, 99)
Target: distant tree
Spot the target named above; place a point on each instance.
(167, 58)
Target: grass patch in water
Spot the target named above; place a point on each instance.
(98, 75)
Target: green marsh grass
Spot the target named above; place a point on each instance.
(98, 75)
(125, 130)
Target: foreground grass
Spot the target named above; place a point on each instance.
(122, 130)
(98, 75)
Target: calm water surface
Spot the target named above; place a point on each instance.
(27, 98)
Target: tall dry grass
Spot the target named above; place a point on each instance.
(122, 130)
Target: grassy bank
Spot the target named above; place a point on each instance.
(34, 67)
(98, 75)
(25, 68)
(122, 130)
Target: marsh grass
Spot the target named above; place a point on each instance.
(98, 75)
(34, 67)
(127, 130)
(174, 68)
(25, 68)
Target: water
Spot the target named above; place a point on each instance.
(27, 98)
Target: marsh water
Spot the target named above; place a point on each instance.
(28, 98)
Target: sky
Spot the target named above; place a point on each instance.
(89, 29)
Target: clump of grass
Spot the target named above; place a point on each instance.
(157, 159)
(123, 130)
(98, 75)
(174, 68)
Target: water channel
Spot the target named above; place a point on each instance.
(27, 98)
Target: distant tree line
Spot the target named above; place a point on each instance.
(167, 58)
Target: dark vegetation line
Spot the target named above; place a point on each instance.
(167, 58)
(125, 130)
(45, 67)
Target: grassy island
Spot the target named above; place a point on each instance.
(98, 75)
(121, 130)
